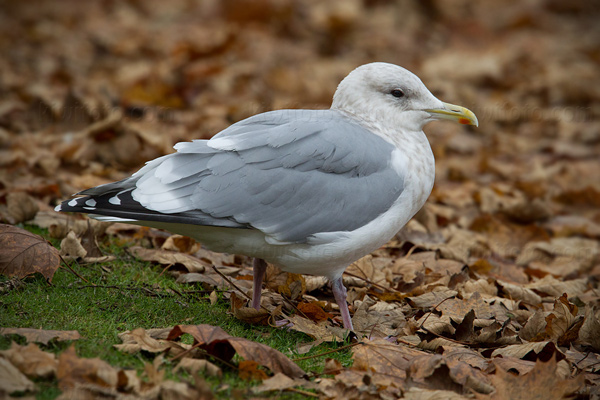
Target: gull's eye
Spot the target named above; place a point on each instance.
(397, 93)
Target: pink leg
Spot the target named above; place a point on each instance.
(339, 293)
(260, 267)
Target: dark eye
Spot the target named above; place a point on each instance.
(397, 93)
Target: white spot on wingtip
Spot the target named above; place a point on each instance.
(72, 203)
(90, 202)
(58, 208)
(115, 200)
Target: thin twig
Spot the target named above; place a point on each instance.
(327, 352)
(73, 271)
(293, 306)
(389, 289)
(165, 269)
(437, 305)
(236, 287)
(302, 392)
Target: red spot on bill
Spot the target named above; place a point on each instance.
(464, 121)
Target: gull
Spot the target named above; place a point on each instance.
(310, 191)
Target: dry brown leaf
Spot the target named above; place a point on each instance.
(12, 380)
(528, 351)
(541, 382)
(20, 207)
(166, 257)
(211, 280)
(438, 373)
(277, 382)
(508, 364)
(140, 339)
(378, 318)
(31, 361)
(590, 330)
(292, 286)
(41, 335)
(317, 331)
(426, 394)
(314, 312)
(198, 367)
(431, 299)
(551, 286)
(456, 309)
(364, 271)
(383, 357)
(24, 253)
(71, 248)
(249, 314)
(518, 292)
(561, 325)
(215, 340)
(248, 370)
(73, 371)
(180, 243)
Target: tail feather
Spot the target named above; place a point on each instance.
(114, 202)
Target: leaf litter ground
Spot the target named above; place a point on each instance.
(490, 292)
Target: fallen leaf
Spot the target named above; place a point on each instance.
(517, 365)
(199, 367)
(73, 371)
(140, 339)
(41, 335)
(314, 312)
(216, 341)
(541, 383)
(383, 357)
(332, 366)
(290, 285)
(378, 318)
(518, 292)
(248, 370)
(12, 380)
(437, 373)
(31, 361)
(249, 314)
(456, 309)
(20, 207)
(167, 257)
(528, 351)
(427, 394)
(561, 325)
(318, 331)
(24, 254)
(71, 248)
(431, 299)
(277, 382)
(589, 332)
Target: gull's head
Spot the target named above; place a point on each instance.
(391, 95)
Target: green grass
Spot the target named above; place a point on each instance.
(100, 313)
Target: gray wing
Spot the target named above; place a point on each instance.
(288, 173)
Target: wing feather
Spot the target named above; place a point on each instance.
(289, 173)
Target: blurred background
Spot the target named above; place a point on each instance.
(91, 90)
